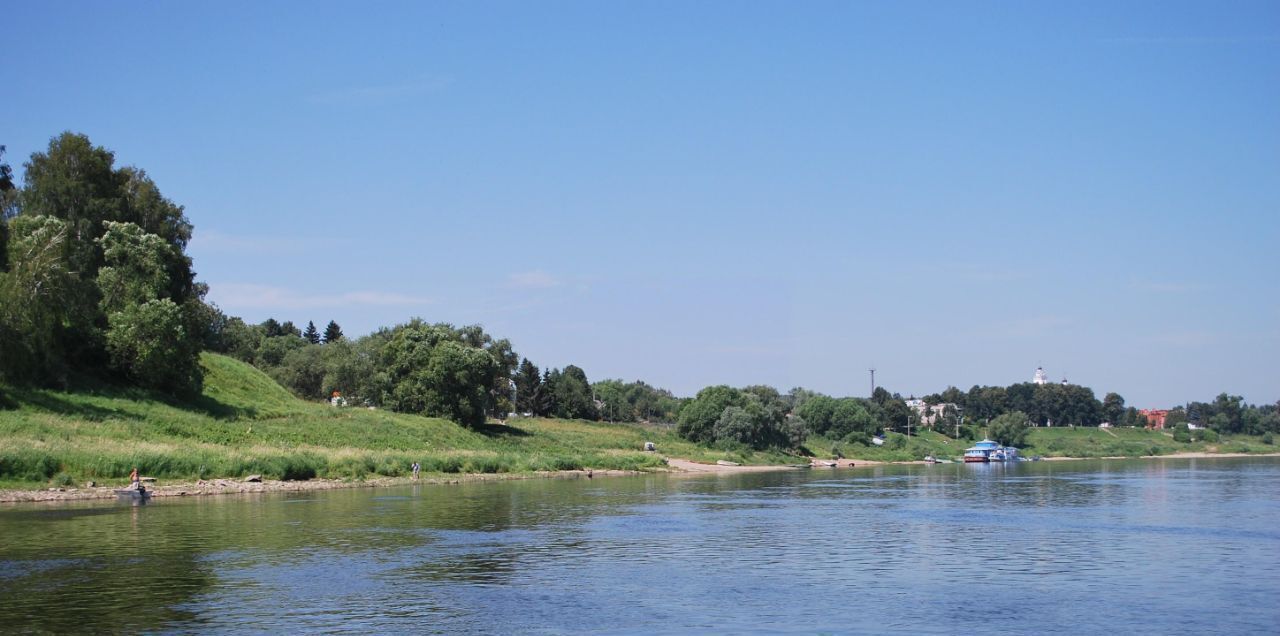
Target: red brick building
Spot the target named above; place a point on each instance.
(1155, 417)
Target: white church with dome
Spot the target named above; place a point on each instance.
(1043, 378)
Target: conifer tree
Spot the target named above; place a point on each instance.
(311, 334)
(528, 382)
(332, 332)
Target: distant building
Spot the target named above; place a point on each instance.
(1041, 377)
(1155, 417)
(934, 412)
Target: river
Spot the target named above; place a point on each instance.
(1086, 547)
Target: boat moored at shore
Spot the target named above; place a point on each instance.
(990, 451)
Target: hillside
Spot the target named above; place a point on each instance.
(245, 423)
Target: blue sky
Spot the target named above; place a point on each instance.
(694, 193)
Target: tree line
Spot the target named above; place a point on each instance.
(1074, 405)
(95, 281)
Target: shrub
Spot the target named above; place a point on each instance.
(300, 467)
(1267, 438)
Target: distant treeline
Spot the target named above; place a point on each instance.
(95, 281)
(1074, 405)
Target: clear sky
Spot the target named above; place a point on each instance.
(695, 193)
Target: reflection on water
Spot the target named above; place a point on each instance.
(1123, 546)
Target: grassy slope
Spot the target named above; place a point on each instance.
(245, 423)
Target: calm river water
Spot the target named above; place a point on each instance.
(1138, 546)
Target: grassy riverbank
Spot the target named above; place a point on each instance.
(245, 423)
(1046, 442)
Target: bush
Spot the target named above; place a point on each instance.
(1181, 435)
(1267, 438)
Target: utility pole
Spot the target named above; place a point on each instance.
(873, 382)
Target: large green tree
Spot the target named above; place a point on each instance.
(150, 338)
(572, 395)
(436, 370)
(1009, 429)
(698, 418)
(1113, 408)
(33, 314)
(68, 295)
(612, 396)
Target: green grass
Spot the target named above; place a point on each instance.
(897, 447)
(1047, 442)
(245, 423)
(1130, 442)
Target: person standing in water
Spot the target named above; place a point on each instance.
(134, 481)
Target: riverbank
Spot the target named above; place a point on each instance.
(204, 488)
(246, 424)
(674, 466)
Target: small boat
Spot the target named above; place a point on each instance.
(930, 459)
(135, 493)
(826, 464)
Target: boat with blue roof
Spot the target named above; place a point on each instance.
(990, 451)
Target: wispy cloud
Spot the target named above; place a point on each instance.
(535, 279)
(247, 295)
(378, 93)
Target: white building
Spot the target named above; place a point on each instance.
(1041, 377)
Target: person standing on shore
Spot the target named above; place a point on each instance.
(416, 468)
(134, 481)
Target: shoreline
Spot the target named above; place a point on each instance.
(675, 466)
